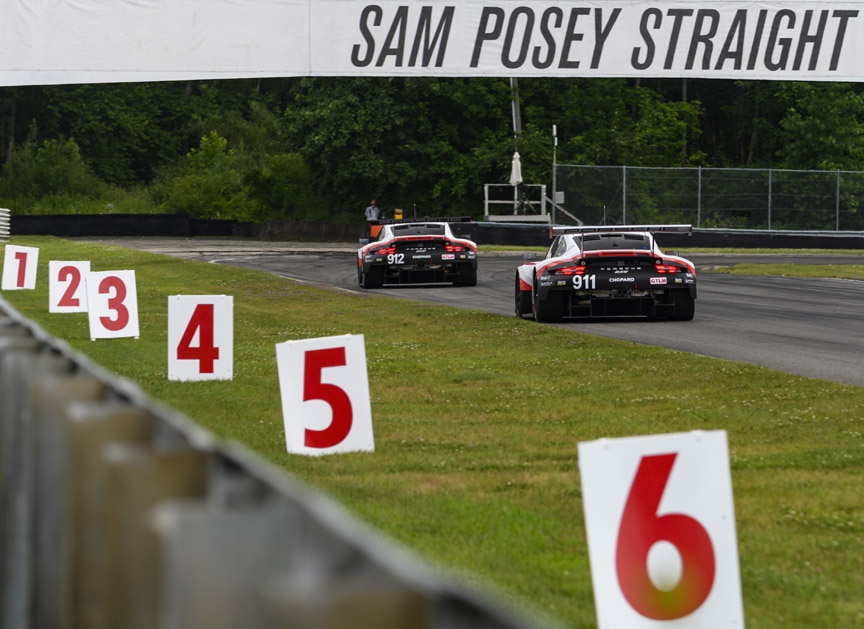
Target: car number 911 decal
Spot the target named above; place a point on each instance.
(395, 258)
(587, 282)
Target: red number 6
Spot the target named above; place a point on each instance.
(641, 528)
(340, 403)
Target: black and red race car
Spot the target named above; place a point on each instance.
(604, 271)
(412, 251)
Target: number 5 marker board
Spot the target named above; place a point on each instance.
(325, 395)
(660, 521)
(112, 302)
(19, 268)
(200, 337)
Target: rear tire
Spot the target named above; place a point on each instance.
(467, 276)
(373, 278)
(551, 309)
(685, 306)
(524, 304)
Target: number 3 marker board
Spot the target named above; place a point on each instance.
(325, 395)
(200, 337)
(660, 521)
(19, 268)
(112, 302)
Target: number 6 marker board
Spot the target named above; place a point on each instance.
(19, 268)
(325, 395)
(660, 521)
(112, 301)
(200, 337)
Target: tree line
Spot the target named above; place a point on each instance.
(320, 148)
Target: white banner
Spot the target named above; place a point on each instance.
(69, 41)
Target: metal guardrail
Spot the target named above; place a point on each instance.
(5, 223)
(117, 512)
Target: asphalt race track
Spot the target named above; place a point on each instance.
(810, 327)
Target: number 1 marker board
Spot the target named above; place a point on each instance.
(325, 395)
(19, 268)
(660, 521)
(200, 337)
(112, 302)
(67, 290)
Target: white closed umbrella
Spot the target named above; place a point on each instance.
(515, 178)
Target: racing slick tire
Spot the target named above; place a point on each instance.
(685, 306)
(373, 278)
(551, 309)
(467, 276)
(524, 304)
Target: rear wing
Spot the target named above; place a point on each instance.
(608, 229)
(425, 219)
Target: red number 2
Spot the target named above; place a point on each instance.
(641, 528)
(115, 303)
(73, 275)
(313, 389)
(206, 353)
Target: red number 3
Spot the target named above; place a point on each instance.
(641, 528)
(115, 303)
(340, 403)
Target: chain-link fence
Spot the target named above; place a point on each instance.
(731, 198)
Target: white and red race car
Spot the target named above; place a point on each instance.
(417, 251)
(605, 271)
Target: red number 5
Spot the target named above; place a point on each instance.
(313, 389)
(641, 528)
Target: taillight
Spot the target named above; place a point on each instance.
(569, 270)
(384, 251)
(455, 248)
(667, 268)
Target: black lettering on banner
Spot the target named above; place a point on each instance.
(442, 33)
(362, 62)
(806, 38)
(678, 15)
(646, 37)
(506, 61)
(558, 15)
(703, 38)
(483, 32)
(570, 36)
(601, 33)
(735, 36)
(757, 39)
(397, 30)
(784, 43)
(844, 17)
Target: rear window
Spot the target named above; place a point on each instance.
(599, 242)
(423, 229)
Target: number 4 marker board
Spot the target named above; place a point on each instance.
(325, 395)
(660, 522)
(200, 337)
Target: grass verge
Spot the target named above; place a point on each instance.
(477, 419)
(838, 271)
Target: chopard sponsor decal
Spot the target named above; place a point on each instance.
(658, 280)
(622, 279)
(416, 257)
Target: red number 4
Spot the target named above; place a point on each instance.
(641, 528)
(206, 353)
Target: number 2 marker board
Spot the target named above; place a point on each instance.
(660, 521)
(112, 302)
(67, 286)
(200, 337)
(19, 268)
(325, 395)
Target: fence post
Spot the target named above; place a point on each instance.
(769, 199)
(837, 221)
(623, 195)
(699, 201)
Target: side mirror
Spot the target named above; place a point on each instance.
(670, 253)
(529, 257)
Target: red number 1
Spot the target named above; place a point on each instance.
(313, 389)
(641, 528)
(206, 353)
(21, 257)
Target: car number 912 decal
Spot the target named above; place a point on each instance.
(395, 258)
(587, 282)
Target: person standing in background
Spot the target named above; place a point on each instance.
(372, 211)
